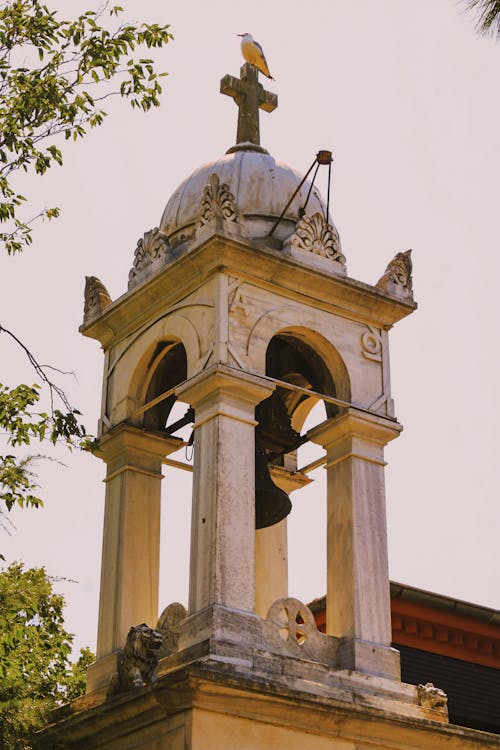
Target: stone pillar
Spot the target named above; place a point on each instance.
(271, 566)
(358, 599)
(223, 520)
(131, 539)
(271, 547)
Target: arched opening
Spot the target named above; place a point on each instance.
(295, 361)
(167, 368)
(292, 357)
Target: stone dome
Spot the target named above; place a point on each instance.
(260, 187)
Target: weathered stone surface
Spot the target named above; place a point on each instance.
(358, 603)
(96, 299)
(221, 624)
(169, 624)
(261, 185)
(223, 521)
(250, 96)
(433, 698)
(397, 278)
(129, 578)
(218, 210)
(290, 629)
(314, 235)
(150, 255)
(138, 662)
(205, 706)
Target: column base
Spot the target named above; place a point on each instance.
(101, 671)
(218, 623)
(369, 658)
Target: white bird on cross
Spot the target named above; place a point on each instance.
(254, 54)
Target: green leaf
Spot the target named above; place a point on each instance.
(41, 104)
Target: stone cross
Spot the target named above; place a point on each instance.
(250, 96)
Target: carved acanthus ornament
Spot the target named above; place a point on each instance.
(152, 249)
(397, 277)
(315, 235)
(432, 697)
(96, 298)
(217, 203)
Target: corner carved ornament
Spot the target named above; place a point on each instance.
(432, 697)
(291, 629)
(397, 279)
(315, 235)
(96, 298)
(217, 204)
(151, 252)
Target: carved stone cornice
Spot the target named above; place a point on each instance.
(315, 235)
(150, 254)
(217, 204)
(96, 298)
(397, 278)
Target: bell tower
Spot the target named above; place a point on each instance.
(239, 306)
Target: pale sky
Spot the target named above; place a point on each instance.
(405, 94)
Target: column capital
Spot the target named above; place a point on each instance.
(354, 423)
(125, 439)
(221, 383)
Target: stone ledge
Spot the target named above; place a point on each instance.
(218, 687)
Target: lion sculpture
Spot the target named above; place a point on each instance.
(138, 663)
(432, 697)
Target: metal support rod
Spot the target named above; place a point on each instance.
(177, 464)
(154, 401)
(302, 210)
(313, 465)
(282, 383)
(328, 193)
(314, 394)
(291, 199)
(188, 418)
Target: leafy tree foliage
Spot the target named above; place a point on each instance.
(36, 674)
(55, 75)
(17, 479)
(488, 14)
(21, 424)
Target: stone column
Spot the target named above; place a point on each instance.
(358, 600)
(271, 548)
(131, 539)
(223, 520)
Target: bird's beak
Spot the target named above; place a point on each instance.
(240, 35)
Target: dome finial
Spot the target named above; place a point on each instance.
(250, 96)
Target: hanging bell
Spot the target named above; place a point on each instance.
(274, 436)
(271, 503)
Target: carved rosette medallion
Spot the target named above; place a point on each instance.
(96, 298)
(151, 253)
(371, 344)
(397, 278)
(291, 629)
(315, 235)
(217, 204)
